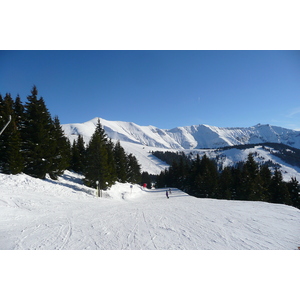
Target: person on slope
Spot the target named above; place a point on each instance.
(167, 194)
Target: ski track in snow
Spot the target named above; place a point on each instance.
(49, 215)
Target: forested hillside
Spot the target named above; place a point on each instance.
(244, 181)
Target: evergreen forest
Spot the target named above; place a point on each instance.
(248, 180)
(34, 143)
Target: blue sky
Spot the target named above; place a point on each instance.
(161, 88)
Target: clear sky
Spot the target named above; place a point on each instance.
(166, 89)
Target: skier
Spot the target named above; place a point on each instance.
(167, 194)
(170, 191)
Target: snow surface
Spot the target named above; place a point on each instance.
(64, 214)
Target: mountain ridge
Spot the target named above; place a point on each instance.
(186, 137)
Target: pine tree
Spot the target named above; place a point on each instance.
(112, 172)
(97, 159)
(5, 111)
(18, 111)
(183, 171)
(39, 144)
(133, 169)
(61, 155)
(193, 179)
(237, 191)
(78, 154)
(15, 158)
(205, 177)
(225, 184)
(146, 178)
(121, 162)
(265, 181)
(161, 179)
(278, 189)
(11, 159)
(294, 191)
(250, 188)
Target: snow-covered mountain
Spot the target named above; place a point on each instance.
(201, 139)
(188, 137)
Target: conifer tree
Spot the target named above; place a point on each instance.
(38, 139)
(97, 159)
(209, 174)
(133, 169)
(193, 178)
(146, 178)
(18, 111)
(161, 179)
(294, 191)
(120, 162)
(278, 189)
(78, 154)
(11, 159)
(15, 162)
(265, 181)
(5, 111)
(61, 151)
(183, 171)
(225, 184)
(112, 172)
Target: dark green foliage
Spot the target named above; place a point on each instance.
(38, 142)
(225, 187)
(107, 163)
(45, 148)
(33, 143)
(294, 191)
(148, 179)
(11, 159)
(15, 161)
(249, 185)
(278, 189)
(96, 168)
(78, 154)
(170, 157)
(126, 166)
(120, 162)
(265, 176)
(133, 169)
(61, 155)
(245, 181)
(112, 172)
(18, 111)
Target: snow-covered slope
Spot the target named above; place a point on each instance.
(189, 137)
(63, 214)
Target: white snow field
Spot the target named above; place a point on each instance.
(64, 214)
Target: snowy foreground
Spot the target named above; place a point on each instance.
(64, 214)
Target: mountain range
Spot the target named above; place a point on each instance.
(226, 145)
(188, 137)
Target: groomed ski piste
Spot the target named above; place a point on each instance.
(66, 215)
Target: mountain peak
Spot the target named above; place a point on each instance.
(187, 137)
